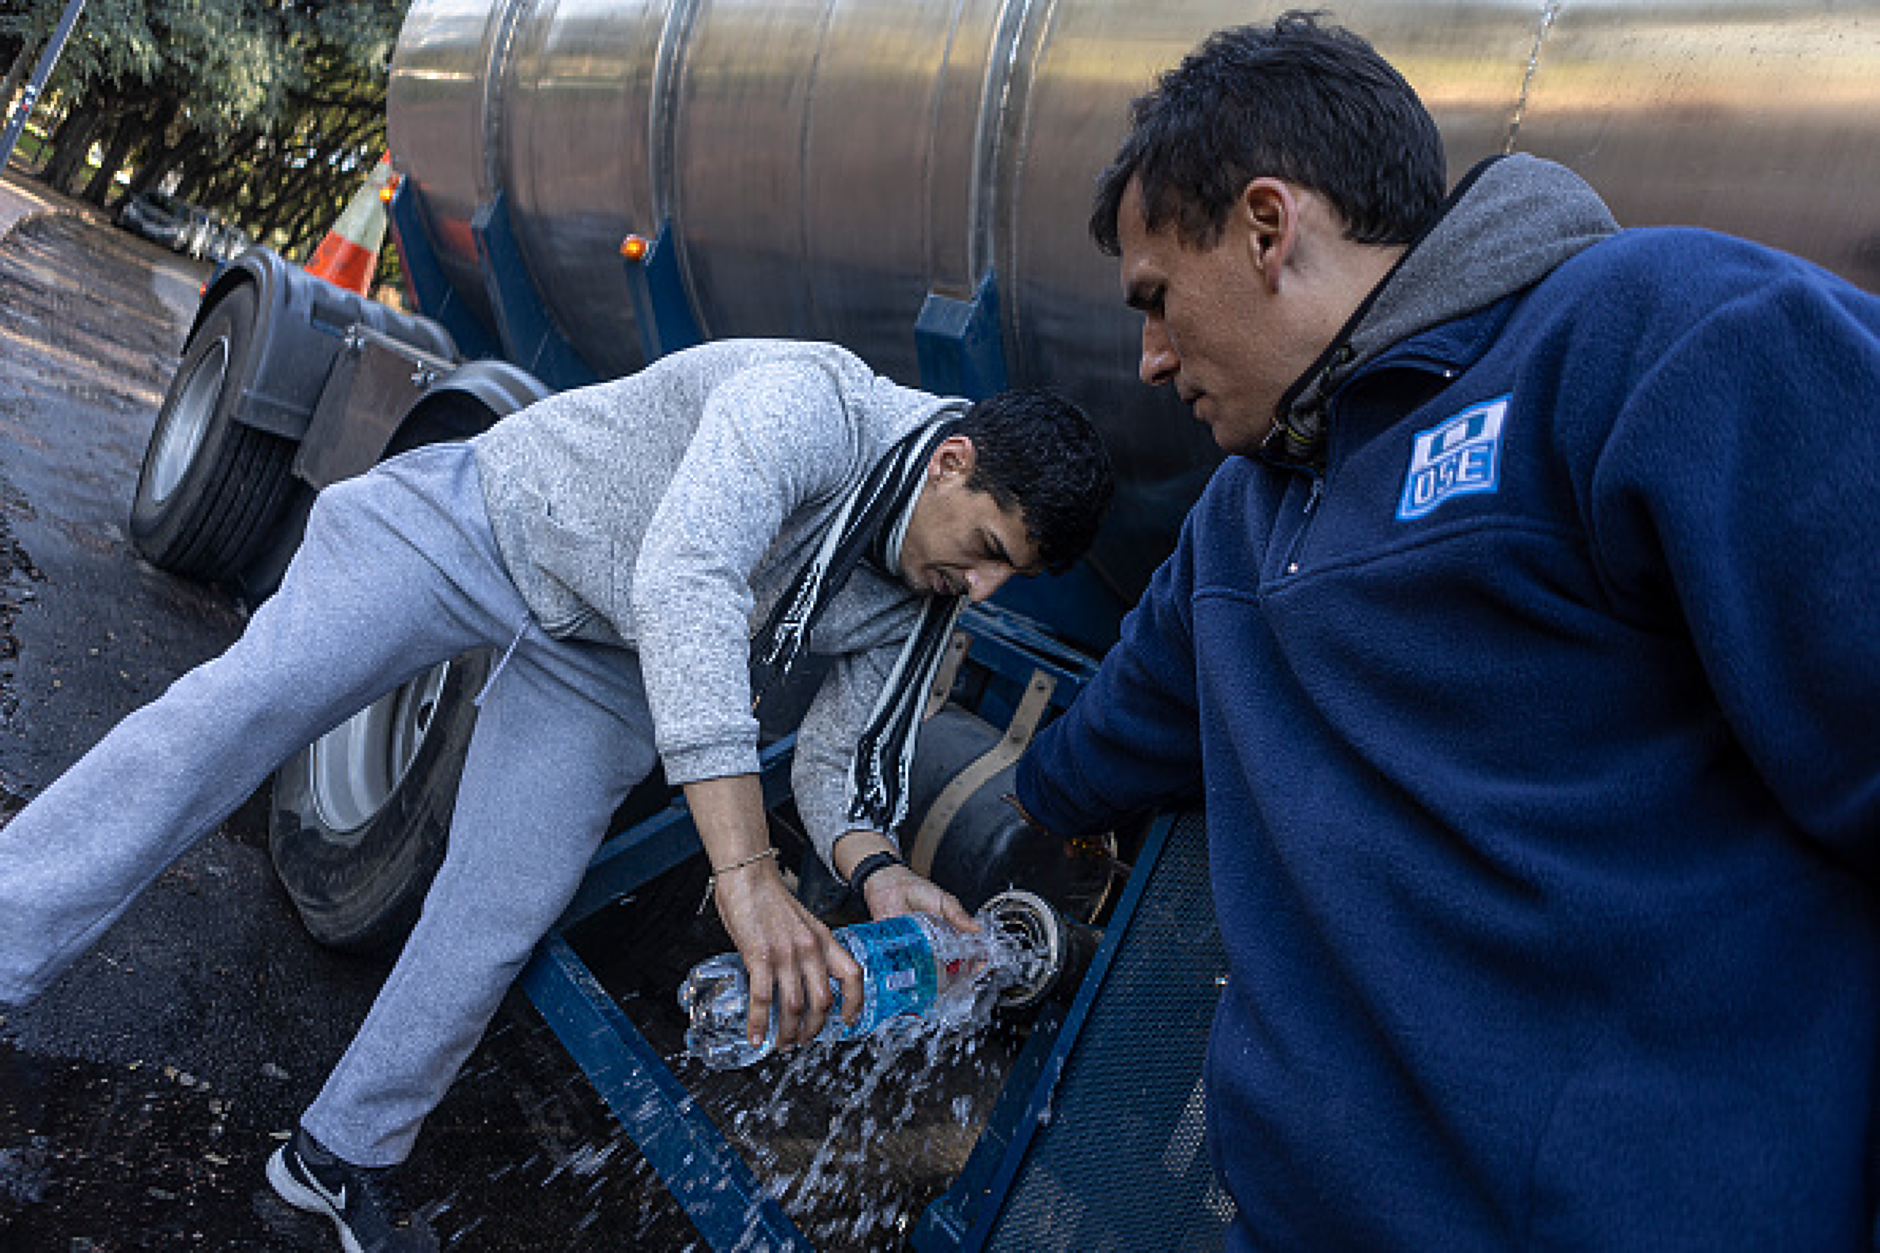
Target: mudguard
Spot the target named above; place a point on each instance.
(301, 326)
(497, 386)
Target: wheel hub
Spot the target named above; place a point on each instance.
(175, 446)
(355, 767)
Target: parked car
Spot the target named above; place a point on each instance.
(207, 237)
(182, 226)
(155, 216)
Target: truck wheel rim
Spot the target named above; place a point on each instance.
(355, 767)
(187, 422)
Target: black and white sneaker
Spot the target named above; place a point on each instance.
(360, 1201)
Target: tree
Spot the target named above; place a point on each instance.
(268, 112)
(17, 55)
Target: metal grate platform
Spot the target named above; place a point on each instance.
(1108, 1152)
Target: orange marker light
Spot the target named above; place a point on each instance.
(634, 247)
(389, 190)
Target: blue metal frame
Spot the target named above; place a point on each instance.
(1077, 604)
(530, 339)
(1022, 646)
(661, 309)
(431, 291)
(1013, 648)
(959, 344)
(48, 57)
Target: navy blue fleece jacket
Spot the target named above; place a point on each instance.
(1535, 726)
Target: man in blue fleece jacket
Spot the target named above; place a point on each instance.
(1523, 656)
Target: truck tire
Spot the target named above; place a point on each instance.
(361, 817)
(210, 487)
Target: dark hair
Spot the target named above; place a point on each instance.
(1036, 450)
(1314, 105)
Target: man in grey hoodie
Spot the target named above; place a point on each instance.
(623, 548)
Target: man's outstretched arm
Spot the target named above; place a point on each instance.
(789, 955)
(1132, 740)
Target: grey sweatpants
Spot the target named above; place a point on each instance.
(398, 572)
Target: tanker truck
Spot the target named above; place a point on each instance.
(585, 185)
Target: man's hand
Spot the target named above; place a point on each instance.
(789, 955)
(897, 889)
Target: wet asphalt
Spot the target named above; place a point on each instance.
(141, 1095)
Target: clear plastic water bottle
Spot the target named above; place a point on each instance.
(914, 967)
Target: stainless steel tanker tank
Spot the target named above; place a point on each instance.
(826, 163)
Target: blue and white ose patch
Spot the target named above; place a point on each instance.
(1457, 457)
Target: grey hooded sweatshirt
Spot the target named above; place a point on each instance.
(668, 511)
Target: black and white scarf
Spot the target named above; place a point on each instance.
(871, 524)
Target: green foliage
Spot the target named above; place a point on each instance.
(268, 112)
(125, 48)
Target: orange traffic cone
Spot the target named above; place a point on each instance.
(349, 254)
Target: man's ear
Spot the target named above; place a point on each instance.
(955, 455)
(1269, 214)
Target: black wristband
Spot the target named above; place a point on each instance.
(869, 865)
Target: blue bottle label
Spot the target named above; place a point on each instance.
(900, 968)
